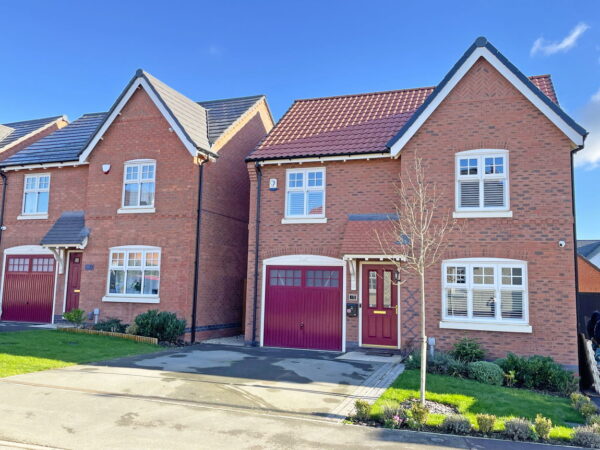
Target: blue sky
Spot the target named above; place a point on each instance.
(75, 57)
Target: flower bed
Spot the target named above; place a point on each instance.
(131, 337)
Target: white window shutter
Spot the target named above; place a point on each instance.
(469, 194)
(295, 203)
(511, 304)
(493, 193)
(456, 302)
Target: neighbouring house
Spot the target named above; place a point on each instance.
(588, 266)
(16, 136)
(323, 181)
(142, 207)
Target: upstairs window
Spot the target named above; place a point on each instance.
(482, 180)
(139, 184)
(35, 194)
(305, 193)
(492, 290)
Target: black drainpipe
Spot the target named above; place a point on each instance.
(256, 247)
(197, 256)
(4, 185)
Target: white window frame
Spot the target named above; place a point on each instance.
(482, 211)
(306, 218)
(128, 297)
(35, 215)
(139, 208)
(496, 323)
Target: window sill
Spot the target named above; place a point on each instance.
(32, 217)
(304, 220)
(136, 210)
(480, 214)
(487, 326)
(133, 299)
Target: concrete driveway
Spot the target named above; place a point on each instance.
(207, 396)
(23, 326)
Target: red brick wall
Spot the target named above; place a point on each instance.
(483, 111)
(589, 276)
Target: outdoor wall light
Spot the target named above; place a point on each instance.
(105, 168)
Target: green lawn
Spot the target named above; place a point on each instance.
(32, 351)
(472, 398)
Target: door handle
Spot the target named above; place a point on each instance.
(77, 291)
(301, 324)
(396, 307)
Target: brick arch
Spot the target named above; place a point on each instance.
(300, 250)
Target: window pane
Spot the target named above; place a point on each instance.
(493, 194)
(469, 194)
(30, 183)
(30, 203)
(315, 203)
(372, 289)
(315, 179)
(134, 259)
(512, 276)
(483, 275)
(456, 274)
(152, 259)
(484, 304)
(387, 289)
(151, 280)
(147, 194)
(131, 173)
(456, 302)
(511, 304)
(494, 165)
(295, 204)
(118, 259)
(131, 194)
(148, 172)
(42, 202)
(116, 282)
(43, 182)
(468, 166)
(134, 282)
(296, 180)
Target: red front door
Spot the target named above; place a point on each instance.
(379, 306)
(73, 281)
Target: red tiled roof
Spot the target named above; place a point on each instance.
(350, 124)
(362, 237)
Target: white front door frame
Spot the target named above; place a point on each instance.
(303, 260)
(360, 303)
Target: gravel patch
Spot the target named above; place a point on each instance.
(434, 407)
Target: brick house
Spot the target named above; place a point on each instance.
(588, 266)
(16, 136)
(322, 182)
(116, 212)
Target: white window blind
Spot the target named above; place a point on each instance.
(481, 181)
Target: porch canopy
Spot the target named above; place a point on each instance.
(68, 232)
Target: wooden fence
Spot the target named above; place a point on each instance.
(131, 337)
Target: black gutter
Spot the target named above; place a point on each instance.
(256, 248)
(4, 185)
(197, 253)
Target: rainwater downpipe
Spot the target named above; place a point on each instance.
(256, 248)
(4, 185)
(197, 255)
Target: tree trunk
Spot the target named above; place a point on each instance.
(423, 340)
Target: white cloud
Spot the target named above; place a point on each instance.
(549, 48)
(589, 157)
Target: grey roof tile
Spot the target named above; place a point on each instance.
(588, 248)
(23, 128)
(69, 229)
(223, 113)
(63, 145)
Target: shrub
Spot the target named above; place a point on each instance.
(586, 436)
(486, 372)
(468, 350)
(413, 361)
(539, 372)
(577, 400)
(393, 416)
(510, 378)
(542, 427)
(362, 410)
(165, 326)
(456, 424)
(594, 420)
(110, 324)
(518, 429)
(440, 364)
(131, 329)
(75, 316)
(486, 423)
(588, 409)
(418, 413)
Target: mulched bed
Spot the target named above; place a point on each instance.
(433, 407)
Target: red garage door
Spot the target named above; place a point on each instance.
(303, 307)
(28, 288)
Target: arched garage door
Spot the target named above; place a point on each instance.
(303, 307)
(28, 288)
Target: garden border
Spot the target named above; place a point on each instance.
(131, 337)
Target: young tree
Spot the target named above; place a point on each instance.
(418, 234)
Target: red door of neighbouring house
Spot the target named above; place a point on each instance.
(303, 307)
(28, 288)
(379, 306)
(73, 281)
